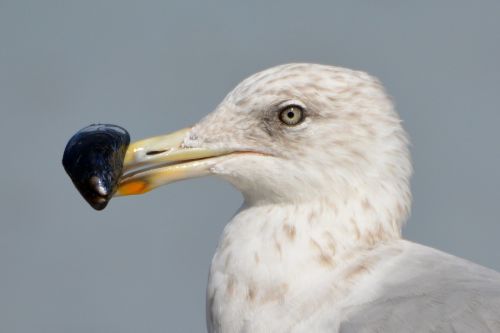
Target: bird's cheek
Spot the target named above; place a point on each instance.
(230, 166)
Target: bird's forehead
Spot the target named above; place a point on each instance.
(300, 81)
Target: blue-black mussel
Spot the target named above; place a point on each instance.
(93, 159)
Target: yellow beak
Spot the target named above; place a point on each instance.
(160, 160)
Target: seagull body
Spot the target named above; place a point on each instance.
(322, 161)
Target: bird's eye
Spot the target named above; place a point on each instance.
(292, 115)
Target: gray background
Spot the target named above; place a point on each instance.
(156, 66)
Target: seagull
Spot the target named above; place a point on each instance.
(322, 161)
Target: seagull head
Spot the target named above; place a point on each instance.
(289, 134)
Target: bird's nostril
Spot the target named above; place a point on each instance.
(155, 152)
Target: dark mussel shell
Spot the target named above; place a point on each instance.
(93, 159)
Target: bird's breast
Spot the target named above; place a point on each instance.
(269, 265)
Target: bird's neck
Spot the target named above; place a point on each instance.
(274, 257)
(321, 228)
(271, 253)
(282, 238)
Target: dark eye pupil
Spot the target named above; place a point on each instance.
(290, 114)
